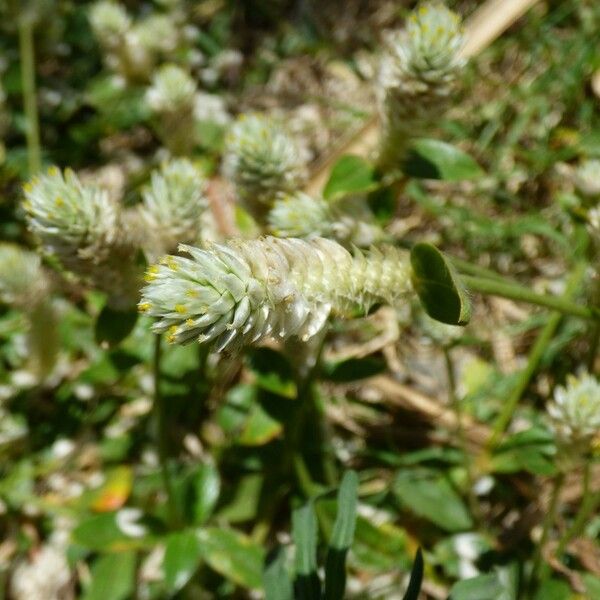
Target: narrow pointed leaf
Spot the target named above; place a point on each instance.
(304, 526)
(416, 578)
(276, 579)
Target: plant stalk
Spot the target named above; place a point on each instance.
(523, 294)
(32, 130)
(534, 359)
(160, 418)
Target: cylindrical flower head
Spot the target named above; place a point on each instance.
(348, 220)
(247, 290)
(263, 161)
(575, 410)
(81, 227)
(110, 22)
(300, 215)
(418, 75)
(173, 206)
(23, 283)
(172, 98)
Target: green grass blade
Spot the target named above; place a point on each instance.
(416, 578)
(304, 527)
(276, 579)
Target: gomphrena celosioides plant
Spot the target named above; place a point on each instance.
(171, 98)
(262, 160)
(248, 290)
(173, 207)
(418, 76)
(25, 286)
(83, 228)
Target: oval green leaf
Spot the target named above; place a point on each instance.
(438, 286)
(350, 175)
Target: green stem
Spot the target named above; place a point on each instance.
(32, 131)
(467, 268)
(533, 361)
(589, 505)
(546, 527)
(162, 435)
(460, 435)
(523, 294)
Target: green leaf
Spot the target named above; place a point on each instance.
(113, 326)
(113, 576)
(260, 428)
(207, 486)
(304, 532)
(432, 159)
(354, 369)
(439, 288)
(429, 495)
(350, 175)
(276, 579)
(273, 372)
(482, 587)
(182, 558)
(416, 578)
(102, 532)
(341, 538)
(233, 555)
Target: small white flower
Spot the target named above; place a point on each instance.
(262, 160)
(418, 75)
(109, 21)
(587, 178)
(45, 575)
(172, 89)
(575, 409)
(127, 521)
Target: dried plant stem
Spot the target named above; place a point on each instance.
(160, 418)
(536, 354)
(32, 131)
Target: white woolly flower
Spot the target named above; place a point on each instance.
(418, 75)
(248, 290)
(172, 89)
(349, 220)
(82, 228)
(575, 409)
(23, 283)
(45, 575)
(174, 204)
(172, 98)
(587, 178)
(262, 160)
(300, 215)
(110, 22)
(158, 33)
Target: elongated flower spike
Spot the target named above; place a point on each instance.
(263, 161)
(575, 411)
(245, 291)
(418, 76)
(82, 228)
(173, 206)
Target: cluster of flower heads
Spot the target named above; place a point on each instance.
(133, 48)
(575, 411)
(263, 161)
(587, 179)
(174, 206)
(418, 76)
(247, 290)
(92, 236)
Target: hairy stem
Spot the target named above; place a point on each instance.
(523, 294)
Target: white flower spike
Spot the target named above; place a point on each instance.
(248, 290)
